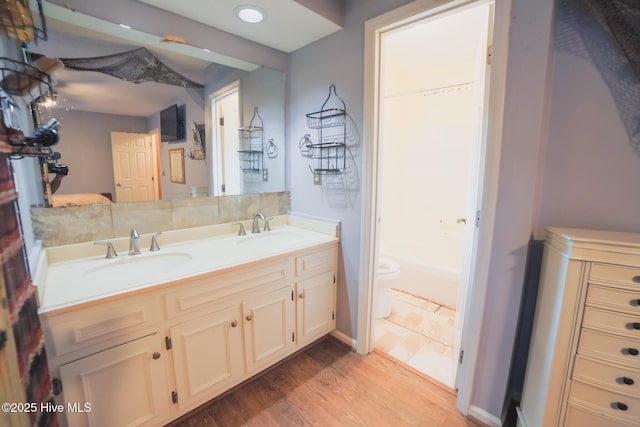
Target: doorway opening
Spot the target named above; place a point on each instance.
(433, 80)
(226, 176)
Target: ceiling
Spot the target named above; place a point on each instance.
(76, 33)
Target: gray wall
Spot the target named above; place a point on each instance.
(336, 59)
(85, 146)
(196, 172)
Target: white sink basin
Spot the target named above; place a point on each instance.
(136, 267)
(272, 237)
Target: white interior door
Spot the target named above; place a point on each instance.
(226, 122)
(133, 167)
(474, 197)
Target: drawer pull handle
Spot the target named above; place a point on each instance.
(635, 325)
(635, 302)
(632, 351)
(636, 279)
(621, 406)
(250, 317)
(627, 380)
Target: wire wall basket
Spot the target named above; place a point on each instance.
(330, 123)
(251, 148)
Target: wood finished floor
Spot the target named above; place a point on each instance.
(329, 385)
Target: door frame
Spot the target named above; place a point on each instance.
(211, 122)
(374, 29)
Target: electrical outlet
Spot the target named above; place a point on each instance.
(316, 177)
(265, 175)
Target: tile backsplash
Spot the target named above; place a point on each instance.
(75, 224)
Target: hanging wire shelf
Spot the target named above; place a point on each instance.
(330, 148)
(251, 148)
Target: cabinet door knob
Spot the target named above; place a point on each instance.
(632, 351)
(301, 295)
(627, 380)
(234, 324)
(249, 318)
(620, 405)
(156, 355)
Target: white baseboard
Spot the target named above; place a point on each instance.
(350, 342)
(485, 417)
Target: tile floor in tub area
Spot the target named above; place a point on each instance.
(419, 333)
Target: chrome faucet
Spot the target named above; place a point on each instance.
(256, 225)
(133, 242)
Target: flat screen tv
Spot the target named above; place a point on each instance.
(172, 123)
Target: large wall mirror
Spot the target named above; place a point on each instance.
(94, 116)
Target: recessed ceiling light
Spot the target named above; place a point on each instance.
(250, 14)
(125, 26)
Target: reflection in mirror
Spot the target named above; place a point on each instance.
(176, 165)
(86, 127)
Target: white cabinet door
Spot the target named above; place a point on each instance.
(125, 385)
(269, 328)
(316, 307)
(207, 355)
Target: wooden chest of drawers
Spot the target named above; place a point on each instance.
(584, 362)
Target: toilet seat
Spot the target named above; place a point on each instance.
(388, 268)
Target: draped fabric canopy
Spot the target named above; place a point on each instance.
(607, 34)
(137, 66)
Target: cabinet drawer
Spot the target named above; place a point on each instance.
(610, 347)
(207, 292)
(616, 273)
(317, 261)
(90, 326)
(623, 380)
(610, 321)
(614, 299)
(578, 417)
(605, 402)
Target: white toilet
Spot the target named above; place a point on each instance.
(388, 272)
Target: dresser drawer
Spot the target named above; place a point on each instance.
(610, 347)
(627, 301)
(614, 377)
(616, 273)
(579, 417)
(97, 326)
(605, 402)
(610, 321)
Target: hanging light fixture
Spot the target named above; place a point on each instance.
(48, 100)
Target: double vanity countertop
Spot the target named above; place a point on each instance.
(74, 276)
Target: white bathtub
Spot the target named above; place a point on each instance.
(430, 260)
(427, 281)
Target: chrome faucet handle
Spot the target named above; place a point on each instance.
(267, 227)
(154, 242)
(241, 231)
(133, 242)
(111, 253)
